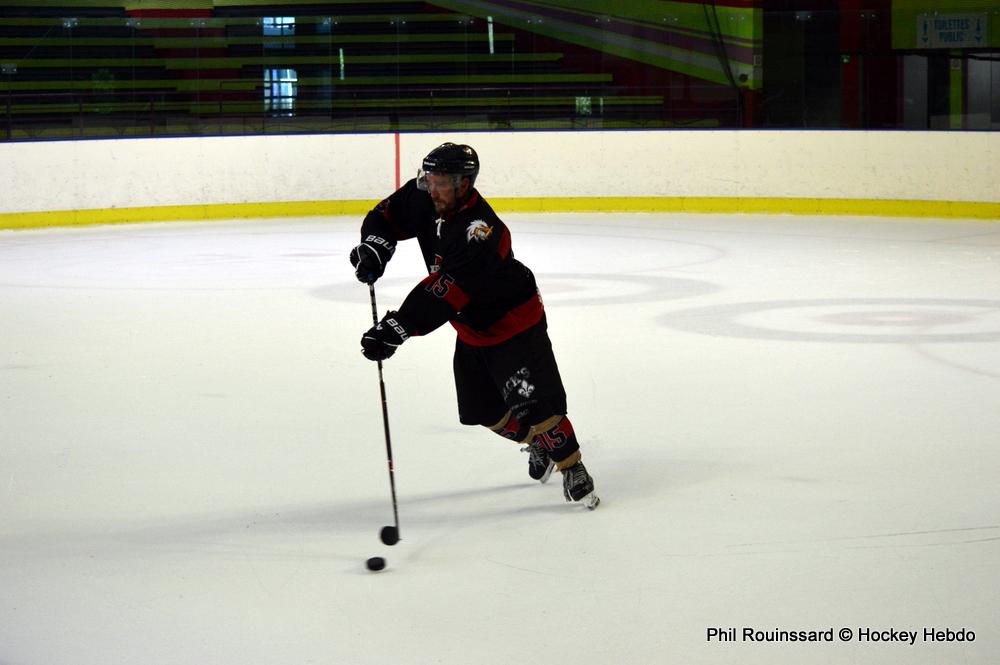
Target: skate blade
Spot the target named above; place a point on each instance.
(591, 501)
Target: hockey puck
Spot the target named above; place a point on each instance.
(375, 563)
(389, 535)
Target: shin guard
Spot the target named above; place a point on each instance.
(556, 437)
(511, 428)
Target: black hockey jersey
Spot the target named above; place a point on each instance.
(473, 279)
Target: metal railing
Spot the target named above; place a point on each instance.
(693, 66)
(232, 109)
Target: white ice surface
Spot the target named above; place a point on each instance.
(794, 424)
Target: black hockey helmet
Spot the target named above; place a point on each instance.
(452, 159)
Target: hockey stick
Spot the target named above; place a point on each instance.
(389, 534)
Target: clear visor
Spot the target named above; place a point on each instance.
(437, 181)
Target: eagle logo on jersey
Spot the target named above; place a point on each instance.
(479, 231)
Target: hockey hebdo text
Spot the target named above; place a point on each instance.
(860, 634)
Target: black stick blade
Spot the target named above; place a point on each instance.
(389, 535)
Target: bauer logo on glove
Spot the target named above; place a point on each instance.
(394, 324)
(369, 258)
(381, 341)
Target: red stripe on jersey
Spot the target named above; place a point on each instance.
(503, 249)
(514, 322)
(471, 202)
(442, 285)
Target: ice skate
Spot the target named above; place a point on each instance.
(540, 465)
(579, 486)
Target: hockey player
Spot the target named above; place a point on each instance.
(506, 376)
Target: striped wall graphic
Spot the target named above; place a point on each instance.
(720, 42)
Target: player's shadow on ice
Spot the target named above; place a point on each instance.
(273, 532)
(337, 529)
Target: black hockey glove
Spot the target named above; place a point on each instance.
(381, 341)
(369, 258)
